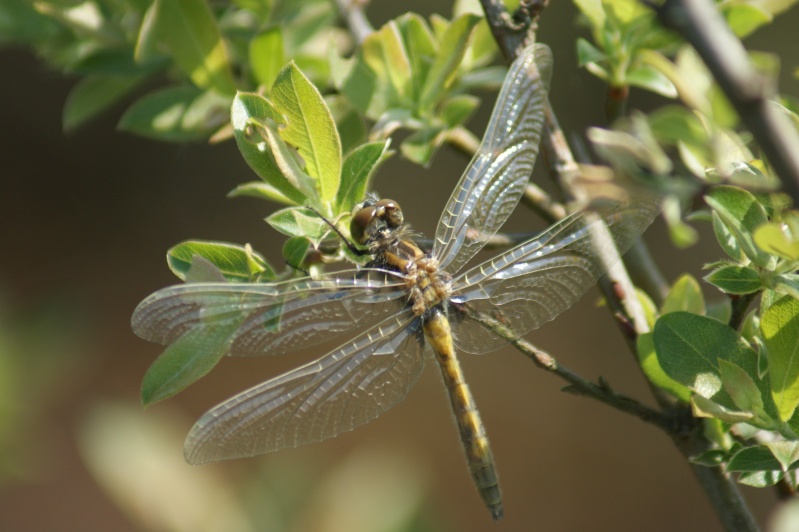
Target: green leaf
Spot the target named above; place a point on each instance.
(705, 408)
(422, 47)
(651, 367)
(727, 240)
(786, 453)
(203, 271)
(741, 213)
(247, 111)
(295, 249)
(266, 56)
(743, 390)
(650, 310)
(755, 458)
(744, 18)
(177, 114)
(785, 284)
(356, 173)
(651, 79)
(711, 458)
(233, 261)
(689, 347)
(780, 326)
(682, 234)
(420, 146)
(310, 128)
(189, 358)
(299, 221)
(94, 94)
(366, 89)
(771, 238)
(760, 479)
(115, 62)
(588, 53)
(188, 29)
(685, 294)
(260, 190)
(349, 123)
(735, 279)
(671, 124)
(452, 47)
(458, 109)
(594, 10)
(384, 54)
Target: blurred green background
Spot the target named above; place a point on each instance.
(86, 220)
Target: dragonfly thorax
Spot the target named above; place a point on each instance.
(378, 224)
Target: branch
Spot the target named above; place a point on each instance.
(577, 385)
(721, 489)
(749, 92)
(513, 33)
(353, 13)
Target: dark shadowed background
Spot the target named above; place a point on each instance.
(86, 220)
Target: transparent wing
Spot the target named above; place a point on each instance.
(259, 319)
(532, 283)
(493, 183)
(346, 388)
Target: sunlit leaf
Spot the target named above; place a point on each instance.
(780, 326)
(260, 190)
(310, 128)
(177, 114)
(267, 55)
(246, 111)
(233, 261)
(356, 172)
(685, 294)
(741, 213)
(647, 358)
(771, 238)
(295, 249)
(185, 361)
(188, 29)
(299, 221)
(735, 279)
(689, 347)
(94, 94)
(451, 50)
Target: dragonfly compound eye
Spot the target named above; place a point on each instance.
(389, 210)
(362, 219)
(374, 219)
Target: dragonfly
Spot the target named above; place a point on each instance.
(403, 304)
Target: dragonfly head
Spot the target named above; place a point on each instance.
(375, 220)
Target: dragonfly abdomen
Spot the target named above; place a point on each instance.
(473, 435)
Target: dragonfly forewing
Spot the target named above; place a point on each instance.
(346, 388)
(270, 319)
(532, 283)
(494, 181)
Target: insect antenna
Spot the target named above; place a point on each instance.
(356, 251)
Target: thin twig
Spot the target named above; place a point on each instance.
(577, 385)
(720, 487)
(749, 92)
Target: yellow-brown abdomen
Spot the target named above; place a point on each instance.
(472, 431)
